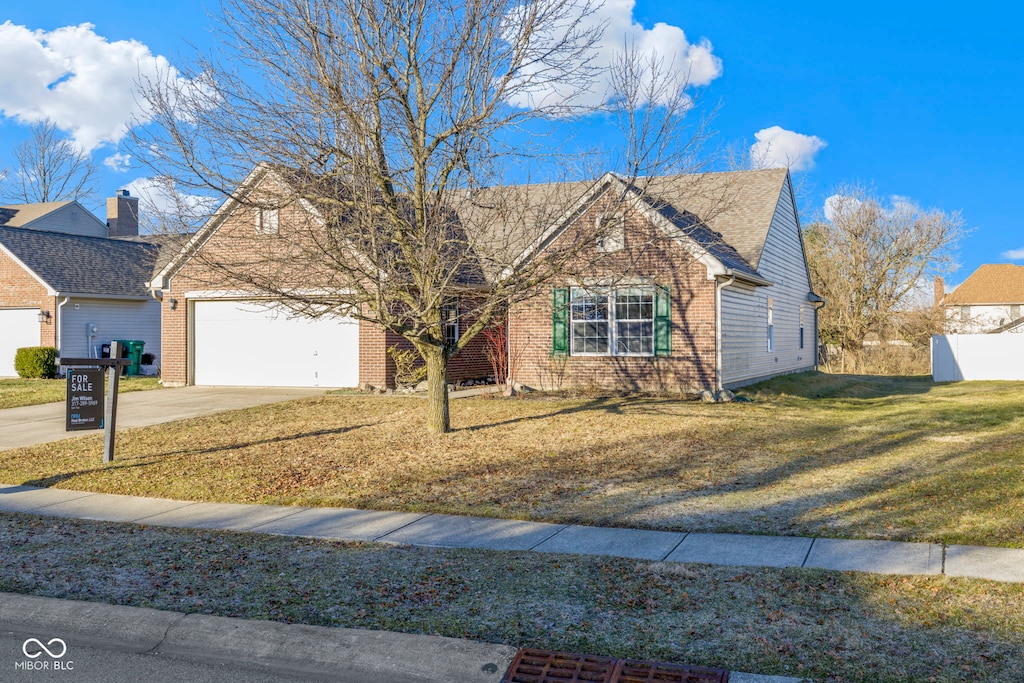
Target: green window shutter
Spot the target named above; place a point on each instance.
(662, 322)
(560, 322)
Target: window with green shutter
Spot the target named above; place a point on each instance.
(662, 322)
(612, 321)
(560, 322)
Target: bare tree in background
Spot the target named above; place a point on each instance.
(386, 139)
(48, 168)
(873, 263)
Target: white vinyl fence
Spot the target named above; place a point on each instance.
(977, 356)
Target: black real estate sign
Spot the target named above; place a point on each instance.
(85, 399)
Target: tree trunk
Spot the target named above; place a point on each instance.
(438, 420)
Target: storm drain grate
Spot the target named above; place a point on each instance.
(544, 666)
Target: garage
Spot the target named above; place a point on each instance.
(253, 343)
(18, 327)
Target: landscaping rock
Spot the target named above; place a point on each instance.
(422, 386)
(725, 396)
(706, 397)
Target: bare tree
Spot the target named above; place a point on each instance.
(871, 262)
(48, 168)
(386, 133)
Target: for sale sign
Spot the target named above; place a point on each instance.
(85, 399)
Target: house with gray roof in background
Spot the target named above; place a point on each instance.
(69, 280)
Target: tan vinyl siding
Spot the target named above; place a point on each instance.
(745, 354)
(72, 219)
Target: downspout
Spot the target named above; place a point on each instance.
(59, 322)
(818, 305)
(719, 286)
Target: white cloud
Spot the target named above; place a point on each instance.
(162, 207)
(81, 81)
(1014, 254)
(119, 162)
(777, 147)
(840, 204)
(688, 64)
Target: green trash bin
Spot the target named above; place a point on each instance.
(132, 350)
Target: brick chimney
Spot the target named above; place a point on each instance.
(939, 287)
(122, 215)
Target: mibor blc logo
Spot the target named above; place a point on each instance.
(48, 656)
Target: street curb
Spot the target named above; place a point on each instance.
(344, 655)
(313, 652)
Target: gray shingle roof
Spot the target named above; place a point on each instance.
(84, 265)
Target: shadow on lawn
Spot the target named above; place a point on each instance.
(813, 385)
(806, 385)
(873, 479)
(611, 405)
(235, 445)
(56, 479)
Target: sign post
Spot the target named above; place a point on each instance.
(85, 395)
(110, 407)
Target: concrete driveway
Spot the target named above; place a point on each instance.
(39, 424)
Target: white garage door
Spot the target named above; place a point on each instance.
(247, 343)
(18, 327)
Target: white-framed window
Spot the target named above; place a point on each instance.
(450, 322)
(611, 232)
(611, 321)
(267, 221)
(771, 325)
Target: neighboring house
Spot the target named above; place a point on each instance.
(991, 300)
(706, 285)
(70, 281)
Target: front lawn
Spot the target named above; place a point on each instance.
(829, 455)
(15, 393)
(828, 626)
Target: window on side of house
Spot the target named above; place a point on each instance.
(450, 322)
(605, 321)
(267, 221)
(771, 325)
(589, 329)
(634, 321)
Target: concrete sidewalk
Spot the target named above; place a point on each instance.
(341, 524)
(31, 425)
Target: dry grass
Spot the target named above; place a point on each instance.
(847, 456)
(15, 393)
(829, 626)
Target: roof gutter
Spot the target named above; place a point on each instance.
(755, 280)
(97, 295)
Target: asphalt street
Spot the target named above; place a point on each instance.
(103, 665)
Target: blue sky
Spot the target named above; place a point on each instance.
(918, 103)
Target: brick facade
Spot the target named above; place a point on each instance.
(236, 242)
(21, 290)
(650, 257)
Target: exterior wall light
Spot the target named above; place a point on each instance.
(44, 316)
